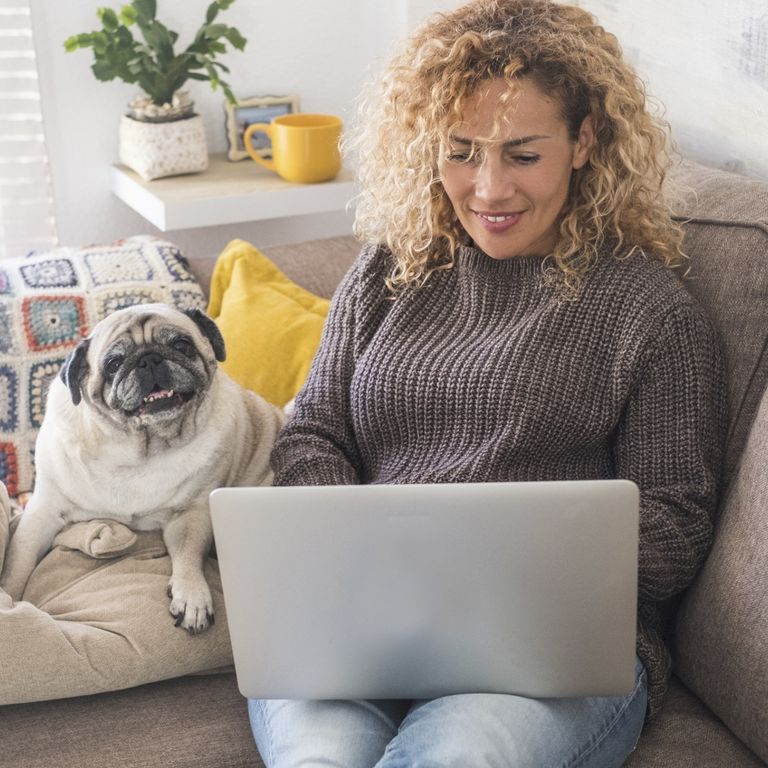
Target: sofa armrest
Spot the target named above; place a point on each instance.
(722, 628)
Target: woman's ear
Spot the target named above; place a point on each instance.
(584, 143)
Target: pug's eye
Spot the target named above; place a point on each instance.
(112, 365)
(184, 346)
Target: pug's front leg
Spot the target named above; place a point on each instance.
(188, 536)
(31, 540)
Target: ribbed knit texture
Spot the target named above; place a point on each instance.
(482, 376)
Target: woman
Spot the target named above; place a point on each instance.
(515, 318)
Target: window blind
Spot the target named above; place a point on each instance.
(27, 219)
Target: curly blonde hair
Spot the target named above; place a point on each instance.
(616, 200)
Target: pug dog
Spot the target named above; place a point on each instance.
(140, 426)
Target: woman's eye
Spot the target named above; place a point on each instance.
(184, 346)
(526, 159)
(463, 156)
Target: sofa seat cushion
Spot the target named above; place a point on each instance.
(189, 722)
(686, 734)
(48, 301)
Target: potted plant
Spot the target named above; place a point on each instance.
(160, 135)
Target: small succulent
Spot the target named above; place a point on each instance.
(152, 63)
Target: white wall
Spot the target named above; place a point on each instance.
(707, 61)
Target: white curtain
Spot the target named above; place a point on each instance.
(26, 202)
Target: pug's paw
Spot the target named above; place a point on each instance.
(191, 604)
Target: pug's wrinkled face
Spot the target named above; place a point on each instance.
(152, 374)
(145, 365)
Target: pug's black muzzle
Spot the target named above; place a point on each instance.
(153, 373)
(156, 385)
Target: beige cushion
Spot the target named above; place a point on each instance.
(95, 617)
(722, 631)
(727, 239)
(686, 735)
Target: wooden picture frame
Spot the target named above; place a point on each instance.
(258, 109)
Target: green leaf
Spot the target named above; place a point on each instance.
(212, 75)
(224, 4)
(212, 12)
(145, 8)
(234, 37)
(128, 15)
(228, 93)
(215, 31)
(108, 19)
(103, 71)
(124, 40)
(100, 42)
(158, 40)
(83, 40)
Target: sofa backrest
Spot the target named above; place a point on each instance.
(317, 265)
(726, 236)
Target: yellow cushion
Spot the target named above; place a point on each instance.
(271, 325)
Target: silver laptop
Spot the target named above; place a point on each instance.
(419, 591)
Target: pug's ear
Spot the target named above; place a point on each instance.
(74, 369)
(211, 332)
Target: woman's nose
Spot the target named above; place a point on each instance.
(493, 180)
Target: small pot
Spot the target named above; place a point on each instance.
(169, 148)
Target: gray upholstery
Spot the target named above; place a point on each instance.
(687, 735)
(716, 712)
(190, 722)
(726, 235)
(722, 630)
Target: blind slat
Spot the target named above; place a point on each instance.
(26, 200)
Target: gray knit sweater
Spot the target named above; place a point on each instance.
(481, 375)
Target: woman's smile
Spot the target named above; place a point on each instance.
(498, 222)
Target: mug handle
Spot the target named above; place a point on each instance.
(249, 131)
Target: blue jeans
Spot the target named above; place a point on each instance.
(466, 730)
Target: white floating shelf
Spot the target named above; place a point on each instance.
(227, 193)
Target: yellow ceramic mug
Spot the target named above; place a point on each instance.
(305, 148)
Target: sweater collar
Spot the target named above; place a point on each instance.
(474, 260)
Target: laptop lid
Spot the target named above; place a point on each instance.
(419, 591)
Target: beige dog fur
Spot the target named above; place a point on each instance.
(148, 471)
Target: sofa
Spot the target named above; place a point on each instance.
(715, 714)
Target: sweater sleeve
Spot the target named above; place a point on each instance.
(317, 446)
(670, 443)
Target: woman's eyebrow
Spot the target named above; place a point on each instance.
(510, 143)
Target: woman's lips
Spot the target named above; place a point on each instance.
(497, 222)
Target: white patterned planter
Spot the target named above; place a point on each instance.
(154, 150)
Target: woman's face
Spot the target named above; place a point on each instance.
(508, 193)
